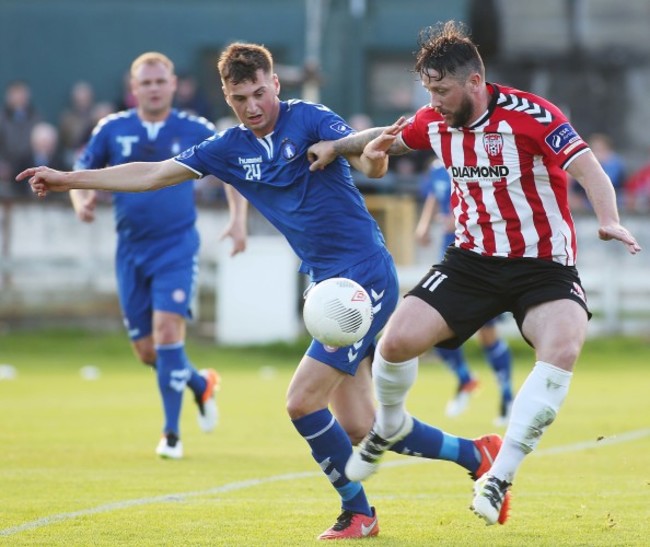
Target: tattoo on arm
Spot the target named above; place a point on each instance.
(354, 144)
(398, 148)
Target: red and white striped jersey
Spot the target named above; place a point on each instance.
(509, 186)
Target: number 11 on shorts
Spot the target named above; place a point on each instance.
(433, 281)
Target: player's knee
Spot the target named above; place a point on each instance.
(566, 357)
(297, 406)
(394, 348)
(166, 333)
(562, 354)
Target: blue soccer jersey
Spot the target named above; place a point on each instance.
(156, 258)
(124, 138)
(322, 214)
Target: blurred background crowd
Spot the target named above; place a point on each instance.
(28, 138)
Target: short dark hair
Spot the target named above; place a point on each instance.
(447, 49)
(239, 62)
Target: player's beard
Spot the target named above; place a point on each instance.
(463, 116)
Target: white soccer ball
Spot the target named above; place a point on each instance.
(337, 312)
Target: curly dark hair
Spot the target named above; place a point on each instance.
(448, 49)
(239, 62)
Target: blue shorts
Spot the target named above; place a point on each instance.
(159, 275)
(378, 276)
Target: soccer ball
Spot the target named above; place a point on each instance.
(337, 312)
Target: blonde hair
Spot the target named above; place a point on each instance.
(151, 58)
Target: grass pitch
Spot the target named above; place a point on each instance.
(77, 463)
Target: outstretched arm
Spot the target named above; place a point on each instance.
(128, 177)
(590, 175)
(323, 153)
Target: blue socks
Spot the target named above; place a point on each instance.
(174, 372)
(331, 448)
(455, 360)
(500, 359)
(429, 442)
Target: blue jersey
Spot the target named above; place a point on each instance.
(124, 138)
(322, 214)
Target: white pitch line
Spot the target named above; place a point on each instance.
(604, 441)
(251, 483)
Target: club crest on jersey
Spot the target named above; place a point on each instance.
(560, 137)
(493, 143)
(185, 154)
(288, 150)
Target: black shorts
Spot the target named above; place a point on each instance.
(469, 289)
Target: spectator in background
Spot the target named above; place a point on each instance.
(636, 190)
(17, 119)
(190, 98)
(75, 121)
(45, 145)
(44, 150)
(611, 162)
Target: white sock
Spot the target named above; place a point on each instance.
(533, 410)
(392, 382)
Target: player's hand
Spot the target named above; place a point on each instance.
(238, 235)
(320, 155)
(377, 148)
(619, 233)
(43, 179)
(84, 205)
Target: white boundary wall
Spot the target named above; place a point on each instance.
(52, 266)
